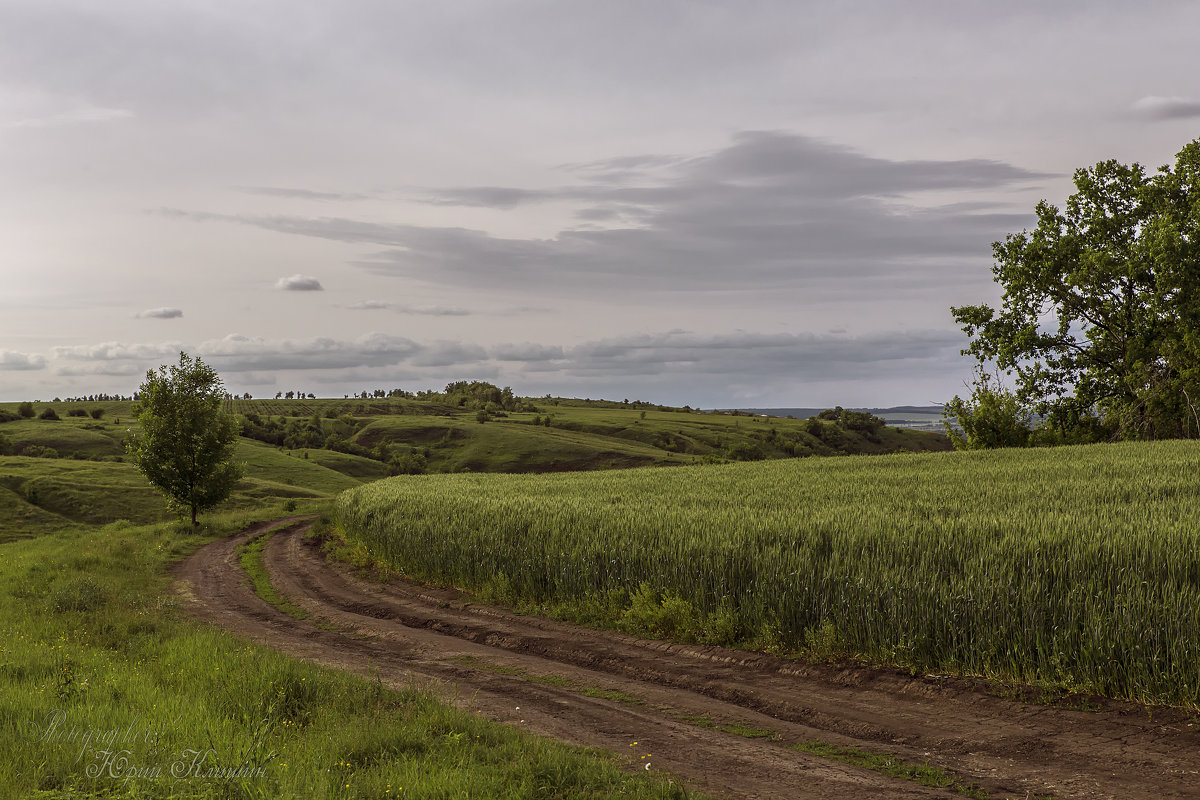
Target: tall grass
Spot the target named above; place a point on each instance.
(1074, 566)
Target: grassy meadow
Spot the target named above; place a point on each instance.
(1076, 567)
(93, 644)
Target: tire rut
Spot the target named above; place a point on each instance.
(605, 689)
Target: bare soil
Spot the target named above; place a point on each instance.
(723, 721)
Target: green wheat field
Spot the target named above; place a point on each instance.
(1076, 567)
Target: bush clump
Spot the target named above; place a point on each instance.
(81, 594)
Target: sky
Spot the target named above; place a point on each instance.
(754, 204)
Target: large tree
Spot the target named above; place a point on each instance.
(186, 443)
(1100, 320)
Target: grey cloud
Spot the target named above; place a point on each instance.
(764, 356)
(623, 163)
(489, 197)
(301, 194)
(693, 367)
(445, 354)
(775, 158)
(772, 209)
(434, 311)
(160, 313)
(624, 169)
(87, 114)
(527, 351)
(116, 369)
(1155, 107)
(299, 283)
(428, 311)
(237, 353)
(22, 362)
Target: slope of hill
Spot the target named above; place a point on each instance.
(71, 470)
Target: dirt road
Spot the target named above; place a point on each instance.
(724, 721)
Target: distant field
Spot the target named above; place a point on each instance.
(1076, 566)
(918, 418)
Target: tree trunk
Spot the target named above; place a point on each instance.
(194, 523)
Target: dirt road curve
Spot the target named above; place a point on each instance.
(607, 690)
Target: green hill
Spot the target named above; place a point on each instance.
(71, 470)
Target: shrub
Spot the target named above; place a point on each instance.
(97, 413)
(76, 412)
(37, 451)
(25, 409)
(49, 413)
(81, 594)
(744, 451)
(409, 464)
(992, 417)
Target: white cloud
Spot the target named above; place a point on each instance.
(160, 313)
(299, 283)
(238, 353)
(117, 351)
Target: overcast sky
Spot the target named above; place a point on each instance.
(713, 203)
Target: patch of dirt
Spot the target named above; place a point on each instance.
(608, 690)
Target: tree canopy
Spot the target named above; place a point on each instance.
(186, 443)
(1100, 318)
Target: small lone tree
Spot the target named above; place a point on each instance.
(185, 446)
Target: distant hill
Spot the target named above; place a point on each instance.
(805, 413)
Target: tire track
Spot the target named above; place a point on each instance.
(604, 689)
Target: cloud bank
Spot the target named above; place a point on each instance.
(771, 209)
(710, 365)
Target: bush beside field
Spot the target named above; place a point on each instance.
(1076, 567)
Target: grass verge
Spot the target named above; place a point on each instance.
(550, 680)
(108, 690)
(893, 767)
(250, 558)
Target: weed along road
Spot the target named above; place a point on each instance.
(731, 723)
